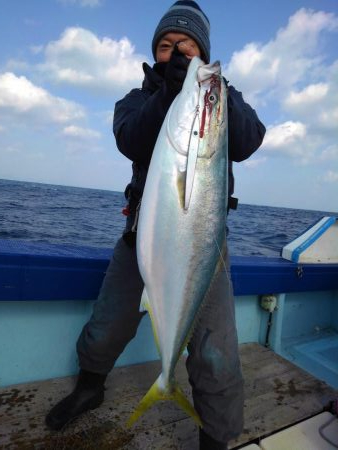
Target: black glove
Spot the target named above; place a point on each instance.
(176, 70)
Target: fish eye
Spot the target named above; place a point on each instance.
(212, 98)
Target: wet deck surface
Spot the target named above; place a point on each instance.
(277, 394)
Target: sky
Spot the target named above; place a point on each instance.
(65, 63)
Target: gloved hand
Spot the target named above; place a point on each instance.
(176, 70)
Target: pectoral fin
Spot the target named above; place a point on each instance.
(145, 305)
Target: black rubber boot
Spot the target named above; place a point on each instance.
(88, 394)
(208, 443)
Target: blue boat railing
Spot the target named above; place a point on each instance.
(39, 271)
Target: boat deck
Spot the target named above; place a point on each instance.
(277, 395)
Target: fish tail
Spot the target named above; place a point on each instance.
(181, 400)
(157, 393)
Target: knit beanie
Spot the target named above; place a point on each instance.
(188, 18)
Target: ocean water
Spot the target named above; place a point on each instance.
(46, 213)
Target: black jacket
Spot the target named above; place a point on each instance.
(138, 118)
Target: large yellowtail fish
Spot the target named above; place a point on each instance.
(181, 228)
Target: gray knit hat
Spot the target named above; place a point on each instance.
(188, 18)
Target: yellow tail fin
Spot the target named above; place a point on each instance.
(156, 393)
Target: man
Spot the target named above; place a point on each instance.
(213, 363)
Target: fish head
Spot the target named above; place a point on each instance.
(199, 112)
(212, 108)
(196, 124)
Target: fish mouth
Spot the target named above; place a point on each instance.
(206, 71)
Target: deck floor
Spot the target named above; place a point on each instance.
(277, 394)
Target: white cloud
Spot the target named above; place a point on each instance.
(328, 118)
(295, 140)
(291, 75)
(80, 147)
(36, 49)
(317, 103)
(284, 136)
(19, 96)
(254, 162)
(308, 97)
(17, 65)
(330, 153)
(107, 117)
(317, 106)
(331, 176)
(82, 3)
(11, 149)
(81, 59)
(79, 132)
(263, 71)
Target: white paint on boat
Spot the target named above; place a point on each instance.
(318, 244)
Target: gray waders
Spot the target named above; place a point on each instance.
(213, 363)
